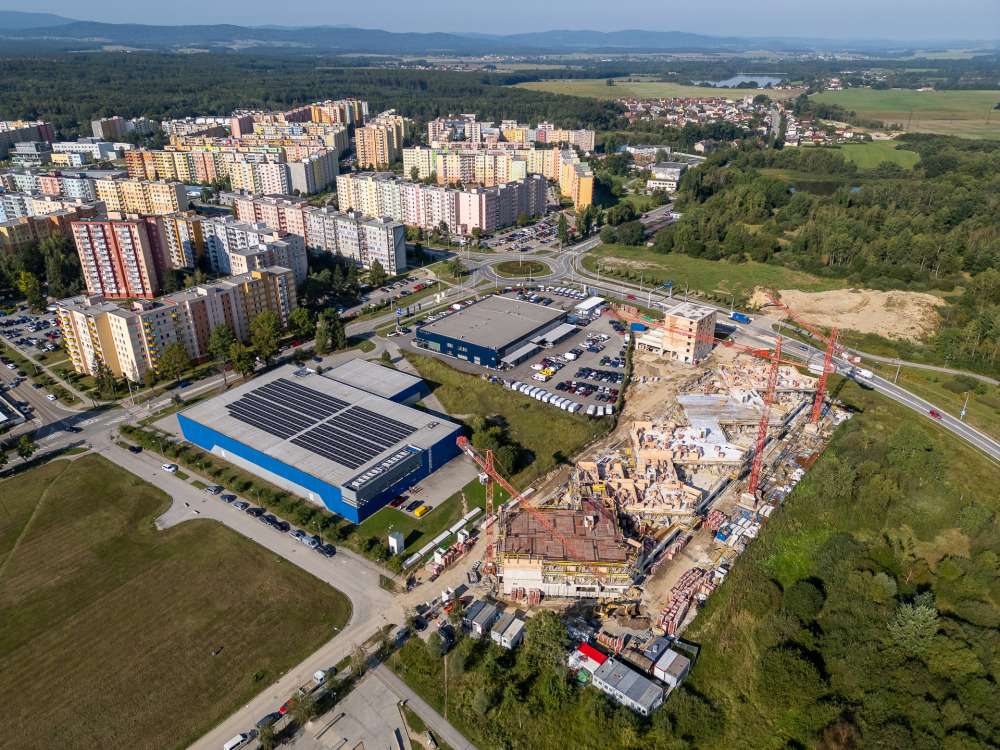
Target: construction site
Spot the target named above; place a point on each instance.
(639, 531)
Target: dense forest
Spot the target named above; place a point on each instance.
(930, 228)
(72, 90)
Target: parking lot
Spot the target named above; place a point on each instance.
(524, 238)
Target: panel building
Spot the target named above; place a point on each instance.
(117, 257)
(686, 336)
(491, 331)
(336, 444)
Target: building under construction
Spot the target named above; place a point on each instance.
(590, 557)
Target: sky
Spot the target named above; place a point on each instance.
(853, 19)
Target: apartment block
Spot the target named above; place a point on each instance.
(576, 179)
(342, 112)
(350, 235)
(109, 128)
(117, 257)
(238, 247)
(313, 173)
(455, 128)
(686, 336)
(183, 241)
(131, 340)
(48, 183)
(379, 194)
(17, 234)
(14, 131)
(141, 196)
(15, 206)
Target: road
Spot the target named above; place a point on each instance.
(441, 728)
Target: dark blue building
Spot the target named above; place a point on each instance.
(331, 442)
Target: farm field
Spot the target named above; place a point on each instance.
(961, 113)
(110, 625)
(870, 155)
(643, 89)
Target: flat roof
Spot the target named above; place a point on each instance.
(289, 415)
(372, 377)
(493, 322)
(690, 311)
(628, 682)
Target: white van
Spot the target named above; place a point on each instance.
(237, 742)
(609, 409)
(541, 377)
(600, 411)
(591, 410)
(575, 407)
(529, 391)
(540, 395)
(546, 397)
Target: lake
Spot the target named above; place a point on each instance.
(762, 80)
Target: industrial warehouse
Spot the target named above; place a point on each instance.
(343, 440)
(495, 331)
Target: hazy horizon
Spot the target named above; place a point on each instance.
(921, 20)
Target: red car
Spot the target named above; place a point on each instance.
(296, 343)
(399, 500)
(630, 296)
(934, 413)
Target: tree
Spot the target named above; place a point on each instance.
(359, 661)
(661, 155)
(206, 195)
(631, 233)
(434, 646)
(26, 447)
(386, 357)
(3, 456)
(414, 173)
(301, 323)
(302, 707)
(454, 267)
(610, 82)
(242, 360)
(914, 627)
(322, 342)
(103, 377)
(585, 220)
(561, 228)
(174, 360)
(545, 639)
(220, 344)
(31, 289)
(267, 737)
(265, 331)
(457, 612)
(608, 235)
(477, 234)
(522, 219)
(376, 274)
(338, 334)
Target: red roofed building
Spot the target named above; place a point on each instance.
(589, 657)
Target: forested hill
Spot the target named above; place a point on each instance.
(72, 90)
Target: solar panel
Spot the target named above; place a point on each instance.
(361, 422)
(286, 392)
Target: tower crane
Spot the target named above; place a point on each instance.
(495, 516)
(774, 359)
(832, 347)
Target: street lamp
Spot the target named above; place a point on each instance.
(962, 415)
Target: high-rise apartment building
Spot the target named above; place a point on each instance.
(15, 131)
(117, 257)
(576, 179)
(130, 341)
(183, 241)
(380, 142)
(237, 247)
(48, 183)
(350, 235)
(141, 196)
(379, 194)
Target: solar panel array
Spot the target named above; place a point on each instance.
(351, 437)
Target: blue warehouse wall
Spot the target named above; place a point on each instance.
(330, 495)
(487, 357)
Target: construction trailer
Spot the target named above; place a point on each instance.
(508, 631)
(627, 687)
(671, 668)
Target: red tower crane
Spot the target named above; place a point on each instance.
(492, 519)
(832, 347)
(774, 358)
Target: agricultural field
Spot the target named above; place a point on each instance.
(869, 155)
(962, 113)
(644, 89)
(107, 626)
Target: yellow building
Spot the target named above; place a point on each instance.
(576, 179)
(141, 196)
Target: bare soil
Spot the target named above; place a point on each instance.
(907, 315)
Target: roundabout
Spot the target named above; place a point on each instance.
(517, 269)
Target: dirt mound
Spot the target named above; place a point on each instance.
(908, 315)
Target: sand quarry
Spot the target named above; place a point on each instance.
(908, 315)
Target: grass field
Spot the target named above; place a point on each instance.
(706, 275)
(513, 269)
(962, 113)
(871, 154)
(643, 89)
(550, 435)
(107, 627)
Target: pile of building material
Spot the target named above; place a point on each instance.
(695, 582)
(445, 557)
(530, 597)
(614, 643)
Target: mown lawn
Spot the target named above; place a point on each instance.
(550, 436)
(107, 627)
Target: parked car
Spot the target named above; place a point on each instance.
(327, 550)
(282, 526)
(268, 519)
(298, 534)
(135, 449)
(422, 510)
(255, 512)
(227, 498)
(214, 489)
(413, 506)
(241, 505)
